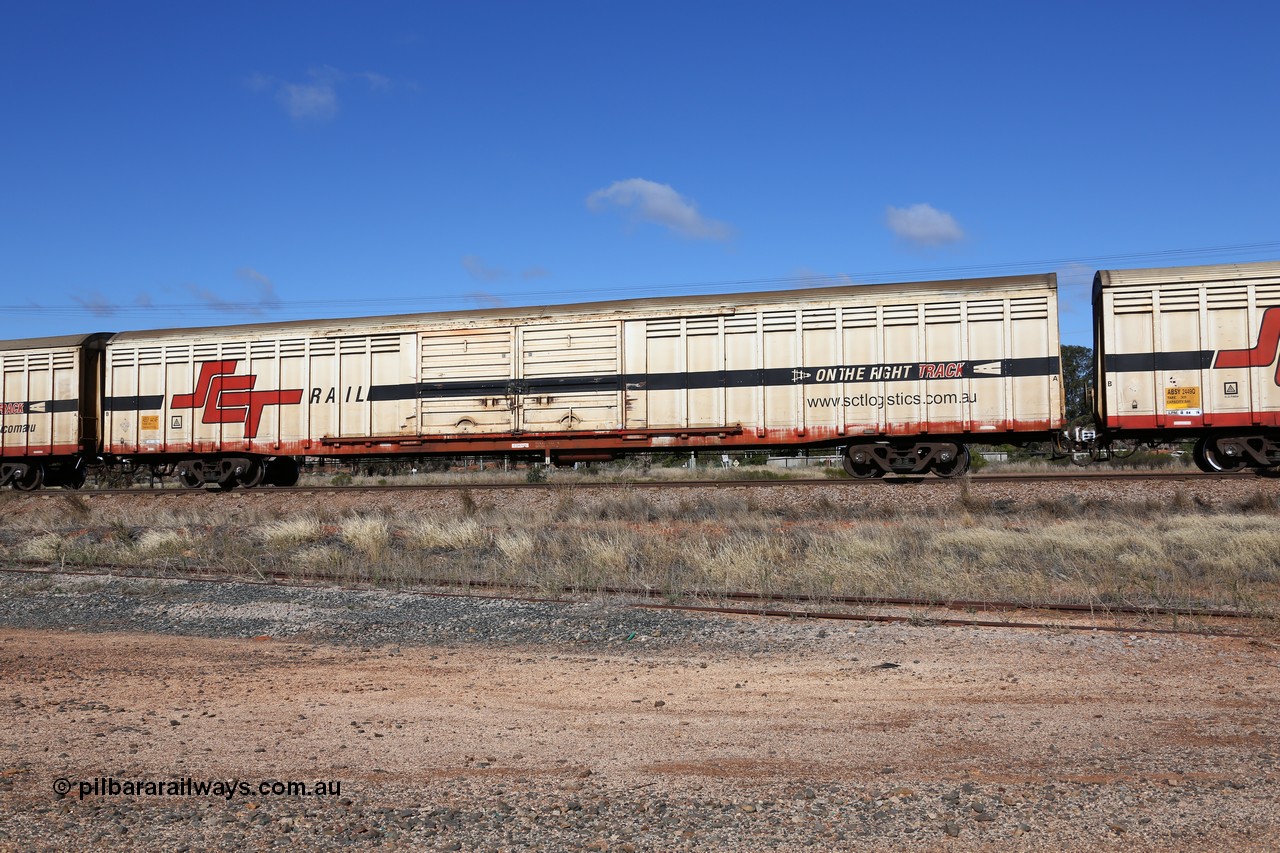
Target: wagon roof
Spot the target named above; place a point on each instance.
(55, 342)
(722, 303)
(1189, 275)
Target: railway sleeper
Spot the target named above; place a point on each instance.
(869, 461)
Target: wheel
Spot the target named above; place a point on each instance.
(1208, 459)
(863, 472)
(1122, 448)
(30, 479)
(857, 465)
(74, 479)
(956, 466)
(188, 474)
(1084, 458)
(253, 475)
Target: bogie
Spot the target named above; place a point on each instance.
(874, 460)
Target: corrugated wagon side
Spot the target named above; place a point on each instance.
(49, 410)
(903, 375)
(236, 406)
(1191, 353)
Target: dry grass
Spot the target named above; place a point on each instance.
(161, 542)
(368, 535)
(48, 547)
(1142, 552)
(447, 534)
(291, 532)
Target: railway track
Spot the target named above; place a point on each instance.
(919, 611)
(1189, 477)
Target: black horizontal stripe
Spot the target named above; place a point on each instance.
(1145, 362)
(133, 404)
(696, 380)
(380, 393)
(681, 381)
(39, 407)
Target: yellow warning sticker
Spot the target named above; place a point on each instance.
(149, 422)
(1181, 398)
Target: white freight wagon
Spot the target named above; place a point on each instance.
(48, 410)
(902, 374)
(1191, 352)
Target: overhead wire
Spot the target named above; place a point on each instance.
(265, 307)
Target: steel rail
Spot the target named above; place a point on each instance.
(802, 482)
(967, 605)
(926, 620)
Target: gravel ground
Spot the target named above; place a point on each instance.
(469, 724)
(341, 616)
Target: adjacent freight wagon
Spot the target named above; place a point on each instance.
(49, 410)
(902, 375)
(1191, 353)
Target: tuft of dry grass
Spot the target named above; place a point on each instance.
(369, 535)
(48, 547)
(448, 534)
(516, 546)
(318, 558)
(291, 532)
(162, 542)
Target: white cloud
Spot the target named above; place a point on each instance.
(259, 82)
(477, 269)
(261, 299)
(484, 299)
(660, 204)
(99, 306)
(264, 284)
(809, 277)
(375, 80)
(210, 298)
(308, 101)
(316, 99)
(923, 224)
(96, 304)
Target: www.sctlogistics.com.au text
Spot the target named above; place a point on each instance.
(882, 401)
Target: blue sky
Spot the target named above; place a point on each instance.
(201, 164)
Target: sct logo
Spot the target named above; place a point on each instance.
(230, 399)
(1263, 353)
